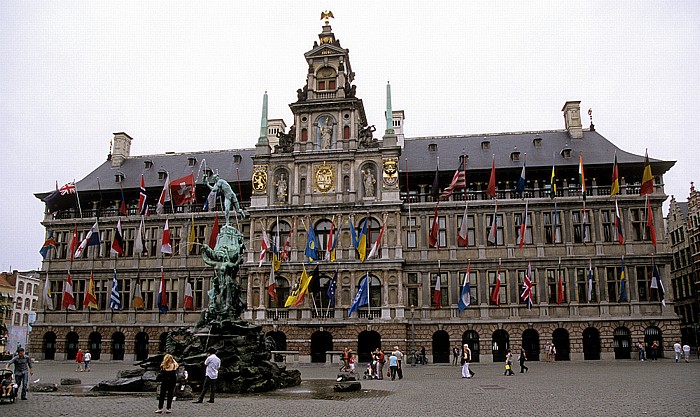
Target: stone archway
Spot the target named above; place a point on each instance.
(72, 340)
(280, 342)
(500, 343)
(531, 344)
(560, 338)
(367, 341)
(163, 342)
(321, 342)
(49, 345)
(471, 338)
(622, 343)
(653, 334)
(591, 344)
(141, 346)
(95, 345)
(118, 346)
(441, 347)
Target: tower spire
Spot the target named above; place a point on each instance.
(389, 123)
(262, 140)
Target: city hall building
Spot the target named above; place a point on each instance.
(328, 170)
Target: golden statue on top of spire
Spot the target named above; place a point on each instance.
(327, 15)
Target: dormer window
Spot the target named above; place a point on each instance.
(118, 177)
(325, 79)
(537, 142)
(148, 164)
(162, 174)
(485, 145)
(515, 156)
(432, 147)
(566, 153)
(191, 161)
(237, 158)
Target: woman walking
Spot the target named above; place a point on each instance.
(521, 359)
(509, 364)
(79, 360)
(168, 378)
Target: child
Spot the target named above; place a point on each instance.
(351, 360)
(7, 384)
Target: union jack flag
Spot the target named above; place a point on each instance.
(527, 287)
(67, 188)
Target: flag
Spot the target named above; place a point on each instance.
(590, 280)
(62, 198)
(330, 292)
(304, 283)
(296, 291)
(118, 241)
(165, 246)
(552, 184)
(353, 234)
(188, 303)
(437, 293)
(137, 301)
(434, 230)
(264, 246)
(584, 217)
(581, 178)
(523, 226)
(92, 238)
(191, 236)
(311, 245)
(362, 296)
(336, 238)
(647, 178)
(459, 180)
(164, 196)
(463, 235)
(143, 204)
(618, 225)
(560, 288)
(556, 222)
(435, 191)
(615, 187)
(48, 300)
(162, 294)
(362, 240)
(377, 243)
(138, 240)
(520, 186)
(214, 232)
(115, 299)
(182, 190)
(74, 242)
(491, 189)
(314, 285)
(527, 287)
(496, 294)
(657, 284)
(68, 300)
(287, 248)
(623, 283)
(493, 229)
(276, 263)
(650, 223)
(210, 202)
(272, 284)
(122, 205)
(329, 242)
(49, 244)
(465, 296)
(90, 300)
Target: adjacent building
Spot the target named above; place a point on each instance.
(332, 173)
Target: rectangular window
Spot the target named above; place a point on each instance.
(412, 296)
(607, 221)
(411, 233)
(518, 221)
(473, 286)
(444, 289)
(640, 231)
(552, 227)
(503, 292)
(153, 240)
(553, 276)
(103, 291)
(644, 283)
(582, 286)
(471, 230)
(331, 84)
(150, 293)
(79, 286)
(321, 85)
(582, 229)
(199, 236)
(105, 243)
(611, 276)
(498, 241)
(61, 250)
(175, 239)
(442, 230)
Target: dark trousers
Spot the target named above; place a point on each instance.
(208, 384)
(167, 387)
(393, 371)
(522, 366)
(23, 380)
(399, 371)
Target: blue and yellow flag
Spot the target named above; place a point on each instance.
(311, 245)
(362, 241)
(353, 234)
(623, 283)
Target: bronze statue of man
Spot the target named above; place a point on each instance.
(220, 185)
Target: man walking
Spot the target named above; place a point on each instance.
(212, 363)
(686, 352)
(677, 351)
(23, 368)
(466, 358)
(399, 359)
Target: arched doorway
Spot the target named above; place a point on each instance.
(163, 342)
(531, 344)
(95, 345)
(653, 334)
(118, 346)
(367, 341)
(471, 338)
(141, 346)
(591, 344)
(622, 343)
(441, 347)
(560, 338)
(71, 345)
(280, 340)
(500, 342)
(49, 345)
(321, 342)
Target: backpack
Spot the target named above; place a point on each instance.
(181, 374)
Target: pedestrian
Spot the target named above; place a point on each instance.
(393, 365)
(79, 360)
(654, 350)
(87, 357)
(23, 369)
(455, 355)
(423, 358)
(521, 359)
(381, 360)
(212, 364)
(466, 360)
(546, 352)
(399, 359)
(677, 351)
(346, 363)
(553, 352)
(351, 361)
(686, 352)
(509, 364)
(168, 379)
(640, 346)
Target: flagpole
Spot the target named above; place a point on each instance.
(77, 197)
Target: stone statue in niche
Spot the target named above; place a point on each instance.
(368, 181)
(281, 188)
(325, 126)
(286, 140)
(366, 137)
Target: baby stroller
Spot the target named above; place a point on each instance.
(369, 372)
(12, 395)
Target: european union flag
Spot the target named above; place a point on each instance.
(331, 290)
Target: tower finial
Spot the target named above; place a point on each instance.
(327, 15)
(590, 116)
(389, 120)
(262, 140)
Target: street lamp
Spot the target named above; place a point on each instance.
(413, 336)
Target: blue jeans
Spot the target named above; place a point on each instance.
(23, 380)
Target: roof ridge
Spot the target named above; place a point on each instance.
(487, 134)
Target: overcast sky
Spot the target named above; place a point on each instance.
(190, 76)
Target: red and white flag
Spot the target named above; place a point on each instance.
(493, 230)
(74, 243)
(496, 294)
(68, 300)
(118, 241)
(434, 230)
(491, 189)
(436, 293)
(264, 247)
(329, 243)
(214, 232)
(459, 180)
(272, 284)
(527, 287)
(165, 246)
(523, 226)
(463, 235)
(189, 297)
(287, 248)
(164, 196)
(182, 190)
(377, 243)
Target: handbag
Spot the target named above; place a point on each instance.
(507, 367)
(388, 373)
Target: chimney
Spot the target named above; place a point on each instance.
(121, 150)
(572, 119)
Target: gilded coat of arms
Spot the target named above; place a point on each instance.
(390, 172)
(260, 178)
(324, 177)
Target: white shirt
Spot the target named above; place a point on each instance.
(686, 348)
(213, 363)
(677, 347)
(87, 357)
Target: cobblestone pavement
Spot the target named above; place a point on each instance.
(625, 388)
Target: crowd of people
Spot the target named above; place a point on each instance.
(375, 367)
